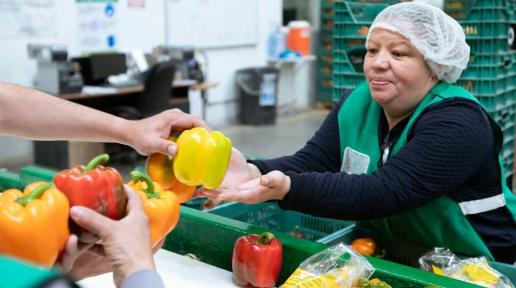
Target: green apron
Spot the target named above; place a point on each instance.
(440, 223)
(15, 274)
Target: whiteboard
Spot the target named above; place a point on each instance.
(211, 23)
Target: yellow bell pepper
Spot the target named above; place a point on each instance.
(202, 157)
(34, 224)
(160, 169)
(161, 207)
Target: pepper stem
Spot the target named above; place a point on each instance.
(149, 191)
(100, 159)
(266, 238)
(34, 194)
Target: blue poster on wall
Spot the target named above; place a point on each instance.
(97, 25)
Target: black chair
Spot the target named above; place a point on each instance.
(155, 96)
(153, 100)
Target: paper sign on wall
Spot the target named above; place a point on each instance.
(97, 24)
(29, 18)
(136, 4)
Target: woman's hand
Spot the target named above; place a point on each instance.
(150, 135)
(238, 172)
(272, 186)
(125, 243)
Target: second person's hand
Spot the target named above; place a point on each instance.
(125, 243)
(150, 135)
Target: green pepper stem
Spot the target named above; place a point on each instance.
(100, 159)
(34, 194)
(149, 191)
(266, 238)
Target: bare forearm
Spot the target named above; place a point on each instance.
(32, 114)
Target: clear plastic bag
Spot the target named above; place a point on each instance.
(336, 266)
(474, 270)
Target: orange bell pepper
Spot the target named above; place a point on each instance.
(34, 224)
(161, 207)
(160, 169)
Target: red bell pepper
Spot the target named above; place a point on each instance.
(96, 187)
(257, 260)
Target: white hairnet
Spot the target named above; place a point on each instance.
(434, 34)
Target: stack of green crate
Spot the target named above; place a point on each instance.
(352, 21)
(491, 72)
(324, 53)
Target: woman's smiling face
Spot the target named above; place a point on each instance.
(396, 72)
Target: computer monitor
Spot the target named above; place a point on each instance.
(96, 68)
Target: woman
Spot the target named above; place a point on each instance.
(413, 155)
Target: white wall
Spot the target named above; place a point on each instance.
(224, 62)
(139, 29)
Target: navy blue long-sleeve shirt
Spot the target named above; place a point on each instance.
(450, 151)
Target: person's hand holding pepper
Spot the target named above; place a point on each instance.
(125, 243)
(150, 135)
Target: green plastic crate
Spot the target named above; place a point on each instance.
(505, 59)
(9, 180)
(324, 94)
(489, 45)
(325, 52)
(211, 238)
(30, 174)
(270, 215)
(487, 71)
(465, 9)
(197, 203)
(493, 13)
(348, 80)
(357, 12)
(484, 86)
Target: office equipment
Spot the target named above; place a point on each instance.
(96, 68)
(184, 60)
(55, 74)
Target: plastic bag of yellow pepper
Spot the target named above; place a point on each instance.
(336, 266)
(202, 160)
(34, 224)
(444, 262)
